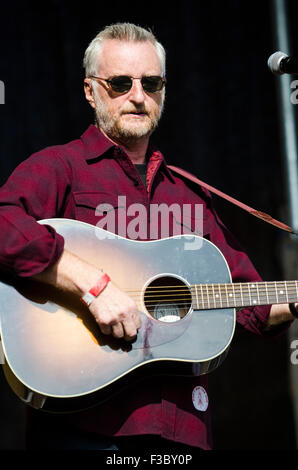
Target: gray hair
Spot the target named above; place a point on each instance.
(123, 32)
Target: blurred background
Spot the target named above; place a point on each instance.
(222, 121)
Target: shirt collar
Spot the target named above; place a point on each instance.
(96, 144)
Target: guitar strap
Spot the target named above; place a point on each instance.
(259, 214)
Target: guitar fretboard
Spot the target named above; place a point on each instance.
(208, 296)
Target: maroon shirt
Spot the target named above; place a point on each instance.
(71, 181)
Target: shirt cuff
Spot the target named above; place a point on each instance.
(36, 255)
(254, 319)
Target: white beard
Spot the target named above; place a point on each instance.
(125, 129)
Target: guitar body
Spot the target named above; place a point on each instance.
(55, 354)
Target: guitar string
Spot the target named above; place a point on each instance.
(221, 294)
(215, 298)
(212, 293)
(252, 285)
(205, 305)
(216, 301)
(213, 290)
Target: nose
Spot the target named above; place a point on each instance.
(136, 93)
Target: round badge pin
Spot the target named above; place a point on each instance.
(200, 398)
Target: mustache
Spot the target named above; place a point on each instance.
(136, 110)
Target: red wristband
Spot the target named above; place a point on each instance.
(96, 290)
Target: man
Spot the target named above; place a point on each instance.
(125, 85)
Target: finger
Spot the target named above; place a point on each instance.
(130, 330)
(105, 329)
(104, 323)
(117, 330)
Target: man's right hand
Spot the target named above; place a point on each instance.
(116, 313)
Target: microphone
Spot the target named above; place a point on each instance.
(280, 63)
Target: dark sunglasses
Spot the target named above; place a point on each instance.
(123, 83)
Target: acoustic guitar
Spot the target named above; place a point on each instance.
(55, 357)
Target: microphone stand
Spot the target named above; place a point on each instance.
(289, 247)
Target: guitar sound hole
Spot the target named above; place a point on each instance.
(167, 299)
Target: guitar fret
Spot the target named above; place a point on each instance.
(293, 297)
(202, 297)
(208, 301)
(227, 298)
(267, 296)
(216, 296)
(231, 295)
(249, 294)
(196, 291)
(283, 292)
(220, 297)
(258, 294)
(262, 293)
(276, 291)
(254, 301)
(233, 288)
(213, 293)
(286, 289)
(245, 295)
(241, 294)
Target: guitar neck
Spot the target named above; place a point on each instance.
(209, 296)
